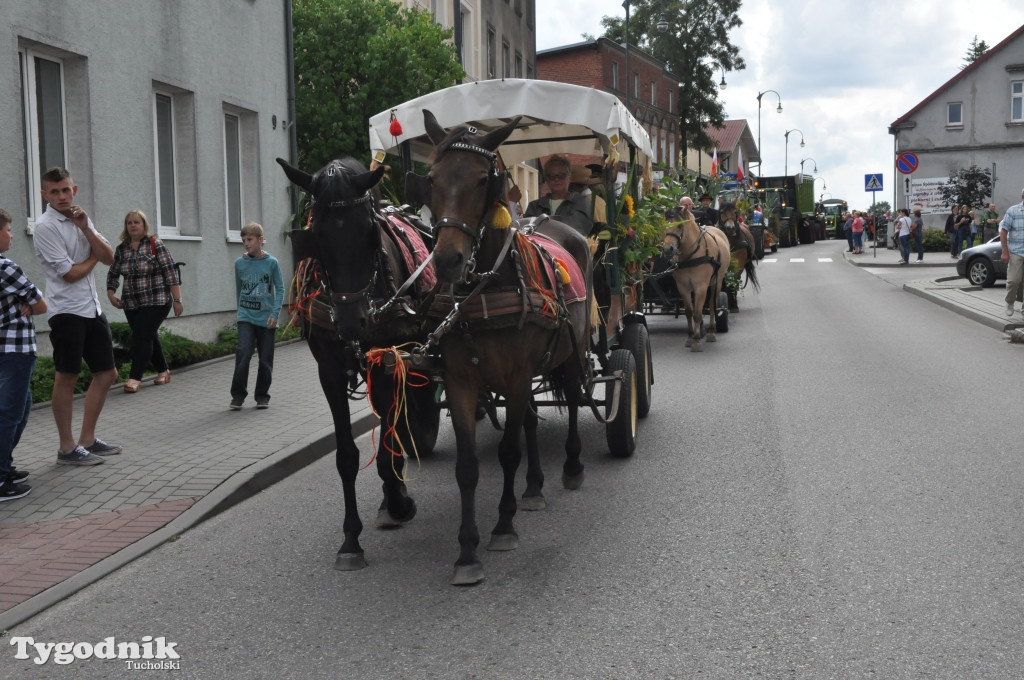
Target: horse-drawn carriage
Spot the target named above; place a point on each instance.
(513, 301)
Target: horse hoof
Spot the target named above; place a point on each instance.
(572, 483)
(467, 574)
(385, 520)
(349, 561)
(503, 542)
(532, 503)
(689, 342)
(712, 338)
(697, 347)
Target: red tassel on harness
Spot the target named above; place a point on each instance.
(395, 128)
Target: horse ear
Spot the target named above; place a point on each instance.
(367, 180)
(434, 129)
(493, 139)
(301, 179)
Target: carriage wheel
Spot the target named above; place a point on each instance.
(636, 339)
(722, 313)
(621, 432)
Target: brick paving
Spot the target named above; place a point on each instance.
(181, 445)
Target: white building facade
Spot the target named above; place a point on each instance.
(175, 108)
(975, 118)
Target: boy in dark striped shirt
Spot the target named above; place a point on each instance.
(19, 300)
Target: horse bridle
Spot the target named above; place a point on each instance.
(362, 295)
(494, 185)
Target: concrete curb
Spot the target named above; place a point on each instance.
(238, 487)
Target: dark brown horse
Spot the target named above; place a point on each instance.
(741, 242)
(355, 257)
(481, 260)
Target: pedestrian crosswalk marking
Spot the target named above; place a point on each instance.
(824, 259)
(796, 259)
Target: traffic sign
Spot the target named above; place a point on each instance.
(907, 162)
(873, 182)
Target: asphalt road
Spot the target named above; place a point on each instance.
(832, 490)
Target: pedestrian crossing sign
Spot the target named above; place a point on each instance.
(873, 182)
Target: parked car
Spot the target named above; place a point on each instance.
(982, 265)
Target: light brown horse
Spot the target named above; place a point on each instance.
(701, 257)
(492, 351)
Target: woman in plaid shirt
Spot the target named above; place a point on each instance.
(151, 286)
(19, 300)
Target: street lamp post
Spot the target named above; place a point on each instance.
(787, 147)
(804, 160)
(778, 110)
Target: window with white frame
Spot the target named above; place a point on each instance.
(241, 170)
(166, 174)
(175, 165)
(955, 114)
(492, 56)
(45, 132)
(1017, 101)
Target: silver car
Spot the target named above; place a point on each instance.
(982, 265)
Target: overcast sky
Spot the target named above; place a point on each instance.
(845, 69)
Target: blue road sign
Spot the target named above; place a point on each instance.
(873, 182)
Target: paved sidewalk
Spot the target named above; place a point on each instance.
(186, 457)
(984, 305)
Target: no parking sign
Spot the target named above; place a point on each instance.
(907, 162)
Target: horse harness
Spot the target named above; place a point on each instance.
(691, 261)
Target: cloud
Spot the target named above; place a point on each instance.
(845, 71)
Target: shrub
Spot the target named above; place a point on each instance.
(178, 350)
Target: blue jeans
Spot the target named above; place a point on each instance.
(261, 338)
(15, 404)
(905, 247)
(919, 242)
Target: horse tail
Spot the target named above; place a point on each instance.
(749, 267)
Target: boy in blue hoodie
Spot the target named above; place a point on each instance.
(260, 289)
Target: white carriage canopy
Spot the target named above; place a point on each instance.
(556, 117)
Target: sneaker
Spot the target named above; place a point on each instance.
(235, 405)
(101, 448)
(10, 490)
(262, 403)
(17, 476)
(1009, 309)
(79, 456)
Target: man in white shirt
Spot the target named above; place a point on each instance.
(69, 247)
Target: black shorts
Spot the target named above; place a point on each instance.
(75, 338)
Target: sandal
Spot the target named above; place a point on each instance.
(132, 386)
(163, 378)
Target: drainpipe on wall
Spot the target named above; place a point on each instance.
(293, 136)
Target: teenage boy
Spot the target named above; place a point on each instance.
(260, 289)
(19, 300)
(69, 247)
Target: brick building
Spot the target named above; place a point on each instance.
(653, 89)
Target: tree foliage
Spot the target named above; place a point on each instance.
(967, 186)
(695, 48)
(354, 59)
(974, 51)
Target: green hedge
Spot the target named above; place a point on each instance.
(178, 350)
